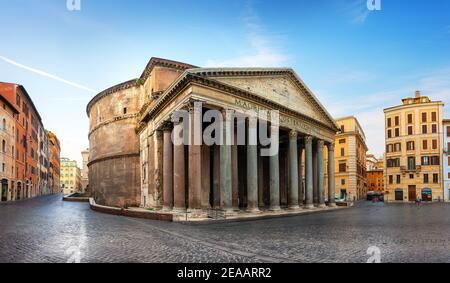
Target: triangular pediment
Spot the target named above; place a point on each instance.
(279, 88)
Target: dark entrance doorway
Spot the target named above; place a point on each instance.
(427, 195)
(19, 191)
(412, 193)
(4, 190)
(399, 195)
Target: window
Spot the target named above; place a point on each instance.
(3, 167)
(424, 129)
(4, 146)
(435, 160)
(425, 161)
(342, 152)
(434, 128)
(18, 99)
(389, 122)
(342, 141)
(410, 118)
(399, 179)
(391, 179)
(425, 145)
(343, 182)
(389, 148)
(397, 132)
(435, 144)
(411, 163)
(426, 178)
(398, 147)
(343, 128)
(410, 131)
(448, 131)
(410, 145)
(424, 117)
(433, 117)
(397, 121)
(389, 134)
(342, 167)
(125, 111)
(435, 178)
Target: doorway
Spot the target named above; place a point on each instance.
(4, 190)
(398, 195)
(412, 193)
(427, 195)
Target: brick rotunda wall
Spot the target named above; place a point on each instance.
(114, 172)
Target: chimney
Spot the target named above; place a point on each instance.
(418, 94)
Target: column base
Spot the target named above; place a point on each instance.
(294, 207)
(308, 206)
(275, 208)
(253, 210)
(197, 213)
(179, 210)
(332, 205)
(322, 206)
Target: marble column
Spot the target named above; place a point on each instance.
(226, 185)
(274, 180)
(261, 203)
(293, 170)
(216, 176)
(331, 180)
(301, 194)
(315, 175)
(321, 173)
(168, 169)
(309, 172)
(235, 174)
(179, 174)
(252, 166)
(206, 176)
(195, 162)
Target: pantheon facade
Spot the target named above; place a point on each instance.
(134, 161)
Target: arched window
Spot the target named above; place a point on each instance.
(4, 124)
(4, 146)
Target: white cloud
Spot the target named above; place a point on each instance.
(369, 109)
(48, 75)
(262, 51)
(356, 10)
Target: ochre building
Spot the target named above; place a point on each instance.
(134, 162)
(350, 160)
(414, 138)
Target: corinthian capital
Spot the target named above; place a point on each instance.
(293, 134)
(308, 140)
(320, 143)
(331, 146)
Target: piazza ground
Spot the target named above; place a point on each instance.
(48, 230)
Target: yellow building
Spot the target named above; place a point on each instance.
(350, 160)
(70, 177)
(413, 150)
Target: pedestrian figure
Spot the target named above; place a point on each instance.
(418, 201)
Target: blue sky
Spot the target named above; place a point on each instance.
(356, 61)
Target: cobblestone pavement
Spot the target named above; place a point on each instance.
(49, 230)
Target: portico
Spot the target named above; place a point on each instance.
(237, 175)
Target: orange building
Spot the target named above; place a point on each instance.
(27, 126)
(54, 160)
(375, 180)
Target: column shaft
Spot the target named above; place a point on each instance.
(309, 173)
(331, 180)
(275, 178)
(293, 171)
(179, 170)
(321, 172)
(225, 165)
(315, 175)
(195, 162)
(168, 170)
(252, 166)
